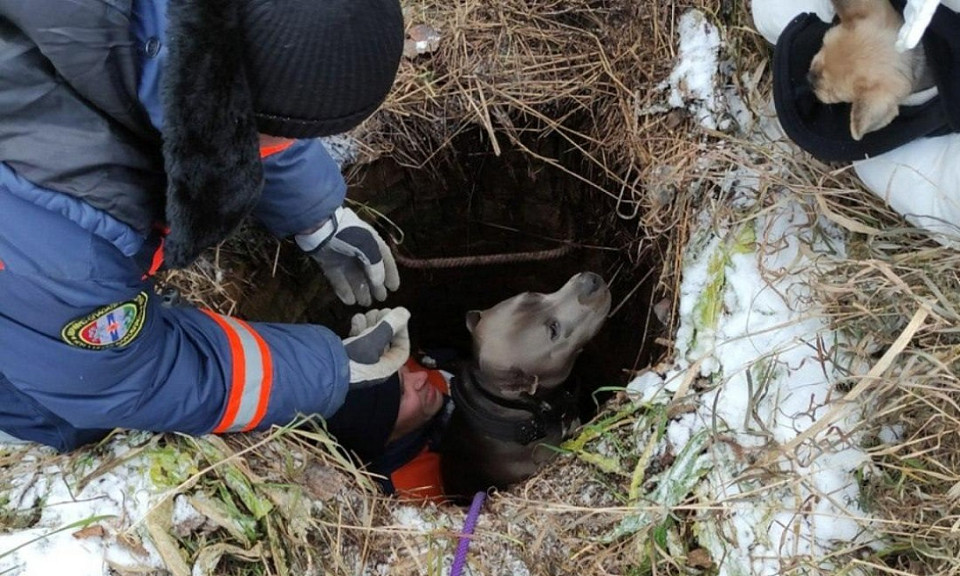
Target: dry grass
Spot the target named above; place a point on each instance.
(588, 71)
(892, 273)
(523, 69)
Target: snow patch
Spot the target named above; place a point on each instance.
(693, 83)
(343, 148)
(752, 331)
(110, 500)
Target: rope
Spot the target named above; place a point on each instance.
(460, 559)
(487, 259)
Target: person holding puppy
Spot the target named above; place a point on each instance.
(136, 134)
(851, 84)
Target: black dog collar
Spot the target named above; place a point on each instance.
(823, 130)
(532, 419)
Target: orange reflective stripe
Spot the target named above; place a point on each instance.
(267, 383)
(275, 148)
(252, 366)
(2, 265)
(157, 261)
(237, 365)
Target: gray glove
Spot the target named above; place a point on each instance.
(353, 257)
(378, 345)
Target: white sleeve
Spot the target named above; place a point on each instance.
(916, 17)
(921, 181)
(770, 17)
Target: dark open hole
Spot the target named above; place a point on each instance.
(477, 205)
(472, 204)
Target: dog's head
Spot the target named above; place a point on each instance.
(529, 342)
(859, 64)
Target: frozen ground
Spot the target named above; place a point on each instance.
(756, 363)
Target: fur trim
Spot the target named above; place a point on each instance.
(210, 147)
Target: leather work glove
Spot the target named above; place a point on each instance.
(353, 257)
(378, 345)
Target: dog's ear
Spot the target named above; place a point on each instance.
(872, 110)
(849, 10)
(473, 318)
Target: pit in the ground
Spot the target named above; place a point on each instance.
(474, 206)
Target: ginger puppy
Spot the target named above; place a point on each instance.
(859, 64)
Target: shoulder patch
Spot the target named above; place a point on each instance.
(110, 326)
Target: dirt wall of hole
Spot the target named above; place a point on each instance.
(475, 204)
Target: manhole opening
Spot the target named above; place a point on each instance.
(473, 203)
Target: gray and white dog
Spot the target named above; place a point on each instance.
(513, 400)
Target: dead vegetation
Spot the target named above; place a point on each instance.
(894, 275)
(589, 71)
(520, 70)
(586, 71)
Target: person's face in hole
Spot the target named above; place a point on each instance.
(419, 402)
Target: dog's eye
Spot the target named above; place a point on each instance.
(554, 329)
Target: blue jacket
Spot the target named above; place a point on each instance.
(84, 182)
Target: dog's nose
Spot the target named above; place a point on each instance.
(590, 282)
(813, 77)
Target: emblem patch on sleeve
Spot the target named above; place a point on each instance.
(111, 326)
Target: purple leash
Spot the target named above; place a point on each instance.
(460, 560)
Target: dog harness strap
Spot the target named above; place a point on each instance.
(524, 402)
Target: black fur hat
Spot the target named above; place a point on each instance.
(319, 67)
(293, 68)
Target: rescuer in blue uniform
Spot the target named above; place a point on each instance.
(133, 135)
